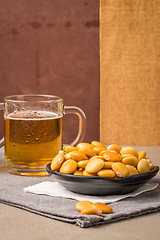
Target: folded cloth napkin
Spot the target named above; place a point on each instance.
(63, 208)
(55, 189)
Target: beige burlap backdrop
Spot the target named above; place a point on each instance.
(130, 72)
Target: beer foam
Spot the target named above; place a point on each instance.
(32, 115)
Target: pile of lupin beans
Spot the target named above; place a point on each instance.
(95, 159)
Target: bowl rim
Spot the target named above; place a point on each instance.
(140, 175)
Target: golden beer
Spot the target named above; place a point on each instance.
(32, 139)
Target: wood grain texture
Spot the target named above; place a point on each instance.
(130, 72)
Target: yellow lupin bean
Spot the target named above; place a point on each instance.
(85, 173)
(78, 156)
(112, 156)
(132, 170)
(57, 161)
(68, 155)
(120, 169)
(83, 163)
(151, 166)
(97, 150)
(78, 172)
(107, 164)
(84, 145)
(114, 147)
(83, 204)
(103, 207)
(70, 148)
(130, 161)
(91, 211)
(106, 173)
(128, 155)
(129, 150)
(87, 151)
(148, 159)
(106, 151)
(143, 166)
(68, 166)
(97, 144)
(94, 165)
(141, 155)
(100, 157)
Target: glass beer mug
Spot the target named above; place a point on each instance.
(33, 131)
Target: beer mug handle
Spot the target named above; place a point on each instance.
(82, 122)
(1, 140)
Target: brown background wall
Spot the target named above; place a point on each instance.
(52, 47)
(130, 72)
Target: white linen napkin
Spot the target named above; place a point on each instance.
(55, 189)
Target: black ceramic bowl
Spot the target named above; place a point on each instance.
(100, 185)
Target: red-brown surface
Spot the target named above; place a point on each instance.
(52, 47)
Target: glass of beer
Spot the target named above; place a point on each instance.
(33, 131)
